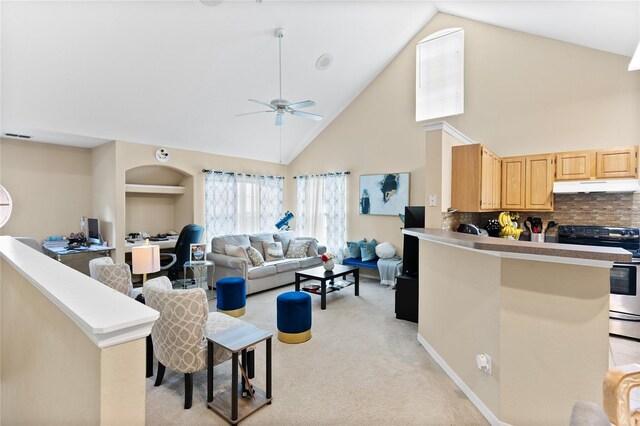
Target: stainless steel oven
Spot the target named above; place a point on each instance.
(624, 307)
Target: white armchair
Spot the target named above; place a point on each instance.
(178, 336)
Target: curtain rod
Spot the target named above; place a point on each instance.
(238, 173)
(323, 174)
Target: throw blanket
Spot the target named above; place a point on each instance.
(389, 269)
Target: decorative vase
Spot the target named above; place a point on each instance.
(328, 265)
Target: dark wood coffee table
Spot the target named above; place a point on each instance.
(320, 274)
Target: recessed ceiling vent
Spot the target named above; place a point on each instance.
(15, 135)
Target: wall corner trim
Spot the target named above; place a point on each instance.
(475, 400)
(446, 127)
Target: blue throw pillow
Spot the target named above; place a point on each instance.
(368, 251)
(354, 247)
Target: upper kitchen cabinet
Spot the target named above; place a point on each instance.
(527, 182)
(618, 163)
(597, 164)
(513, 183)
(539, 173)
(579, 165)
(475, 179)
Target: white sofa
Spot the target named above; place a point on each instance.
(271, 274)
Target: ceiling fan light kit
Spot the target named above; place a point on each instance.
(281, 106)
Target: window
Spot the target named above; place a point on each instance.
(440, 74)
(237, 203)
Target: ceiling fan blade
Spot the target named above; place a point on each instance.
(314, 117)
(254, 112)
(279, 119)
(303, 104)
(263, 103)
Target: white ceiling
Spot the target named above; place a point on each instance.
(176, 73)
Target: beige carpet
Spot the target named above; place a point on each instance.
(362, 366)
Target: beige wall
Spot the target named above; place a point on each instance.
(526, 94)
(53, 373)
(50, 186)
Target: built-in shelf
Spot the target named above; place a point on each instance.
(153, 189)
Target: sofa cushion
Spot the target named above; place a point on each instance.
(236, 251)
(354, 247)
(217, 243)
(286, 265)
(255, 256)
(284, 238)
(309, 262)
(272, 251)
(298, 249)
(313, 247)
(261, 271)
(258, 239)
(368, 251)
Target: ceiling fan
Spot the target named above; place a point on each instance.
(281, 106)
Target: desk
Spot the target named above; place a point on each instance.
(77, 259)
(236, 340)
(168, 244)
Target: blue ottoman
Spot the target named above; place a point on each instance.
(231, 295)
(294, 317)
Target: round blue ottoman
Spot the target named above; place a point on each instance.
(294, 317)
(231, 295)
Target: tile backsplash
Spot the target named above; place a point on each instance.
(605, 209)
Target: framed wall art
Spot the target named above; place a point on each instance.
(384, 194)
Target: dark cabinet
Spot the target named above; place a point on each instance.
(407, 298)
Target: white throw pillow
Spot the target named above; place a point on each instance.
(385, 250)
(236, 251)
(272, 251)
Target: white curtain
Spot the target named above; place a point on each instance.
(221, 201)
(335, 206)
(239, 203)
(321, 210)
(271, 191)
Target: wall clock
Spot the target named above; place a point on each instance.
(6, 205)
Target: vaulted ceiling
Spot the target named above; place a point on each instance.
(176, 73)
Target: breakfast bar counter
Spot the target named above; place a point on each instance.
(538, 312)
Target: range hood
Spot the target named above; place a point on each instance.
(613, 185)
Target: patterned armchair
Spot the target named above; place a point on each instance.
(117, 276)
(178, 336)
(98, 261)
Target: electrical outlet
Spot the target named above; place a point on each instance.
(483, 361)
(433, 200)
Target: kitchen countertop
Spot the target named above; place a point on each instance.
(520, 247)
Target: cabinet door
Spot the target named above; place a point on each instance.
(497, 182)
(579, 165)
(513, 183)
(617, 163)
(539, 182)
(486, 199)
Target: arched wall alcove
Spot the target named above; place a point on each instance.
(158, 199)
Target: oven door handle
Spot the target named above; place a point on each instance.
(623, 317)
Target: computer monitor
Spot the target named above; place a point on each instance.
(93, 231)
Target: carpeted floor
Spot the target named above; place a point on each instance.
(362, 366)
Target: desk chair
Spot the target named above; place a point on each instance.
(190, 234)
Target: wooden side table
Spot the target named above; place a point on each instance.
(236, 340)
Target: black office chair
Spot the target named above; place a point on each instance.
(190, 234)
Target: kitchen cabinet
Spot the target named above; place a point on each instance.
(475, 182)
(513, 183)
(617, 163)
(597, 164)
(579, 165)
(527, 182)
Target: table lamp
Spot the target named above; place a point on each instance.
(145, 259)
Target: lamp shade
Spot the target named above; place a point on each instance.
(145, 259)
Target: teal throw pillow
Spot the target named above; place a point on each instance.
(368, 251)
(354, 247)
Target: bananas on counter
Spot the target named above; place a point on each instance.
(509, 226)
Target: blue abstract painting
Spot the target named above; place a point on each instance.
(384, 194)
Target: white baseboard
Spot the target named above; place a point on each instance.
(475, 400)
